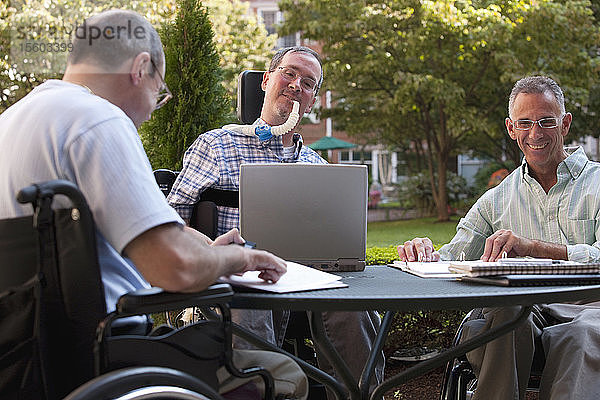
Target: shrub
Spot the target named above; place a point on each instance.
(193, 74)
(483, 175)
(381, 255)
(415, 192)
(432, 329)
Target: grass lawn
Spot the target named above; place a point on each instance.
(387, 233)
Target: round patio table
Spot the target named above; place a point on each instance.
(390, 290)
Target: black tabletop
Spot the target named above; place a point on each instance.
(386, 288)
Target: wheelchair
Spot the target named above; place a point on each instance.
(459, 380)
(56, 338)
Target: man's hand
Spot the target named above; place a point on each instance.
(506, 241)
(418, 249)
(199, 235)
(270, 266)
(233, 236)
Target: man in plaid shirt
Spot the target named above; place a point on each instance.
(213, 161)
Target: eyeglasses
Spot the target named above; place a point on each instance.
(290, 75)
(164, 94)
(545, 123)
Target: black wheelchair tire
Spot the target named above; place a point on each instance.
(157, 382)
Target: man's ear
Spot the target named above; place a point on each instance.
(566, 123)
(265, 79)
(310, 105)
(510, 128)
(140, 67)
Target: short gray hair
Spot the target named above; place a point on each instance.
(113, 37)
(536, 85)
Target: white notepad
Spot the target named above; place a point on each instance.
(298, 278)
(439, 269)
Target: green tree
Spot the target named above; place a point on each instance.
(434, 76)
(200, 102)
(242, 41)
(41, 23)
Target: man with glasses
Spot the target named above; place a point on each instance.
(213, 161)
(164, 94)
(549, 207)
(83, 128)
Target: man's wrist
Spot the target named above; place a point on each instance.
(541, 249)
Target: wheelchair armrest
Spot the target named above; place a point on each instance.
(154, 300)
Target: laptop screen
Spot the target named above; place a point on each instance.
(313, 214)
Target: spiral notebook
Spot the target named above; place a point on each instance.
(523, 266)
(536, 279)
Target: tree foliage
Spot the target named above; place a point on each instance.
(433, 77)
(200, 102)
(242, 41)
(45, 23)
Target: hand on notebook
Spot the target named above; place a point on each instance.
(505, 241)
(271, 267)
(418, 249)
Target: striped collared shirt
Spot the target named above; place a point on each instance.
(568, 214)
(213, 161)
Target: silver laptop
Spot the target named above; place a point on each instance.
(313, 214)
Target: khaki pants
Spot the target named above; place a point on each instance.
(571, 342)
(290, 381)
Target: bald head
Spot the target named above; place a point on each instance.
(110, 38)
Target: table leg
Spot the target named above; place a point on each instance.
(442, 358)
(369, 368)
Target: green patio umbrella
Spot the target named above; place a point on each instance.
(331, 143)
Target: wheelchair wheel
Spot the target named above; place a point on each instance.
(139, 383)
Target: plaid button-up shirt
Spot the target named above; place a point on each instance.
(568, 214)
(213, 161)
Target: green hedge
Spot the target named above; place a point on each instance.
(381, 255)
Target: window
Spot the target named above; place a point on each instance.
(269, 19)
(355, 157)
(289, 40)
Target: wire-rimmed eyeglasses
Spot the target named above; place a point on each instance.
(290, 75)
(544, 123)
(164, 94)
